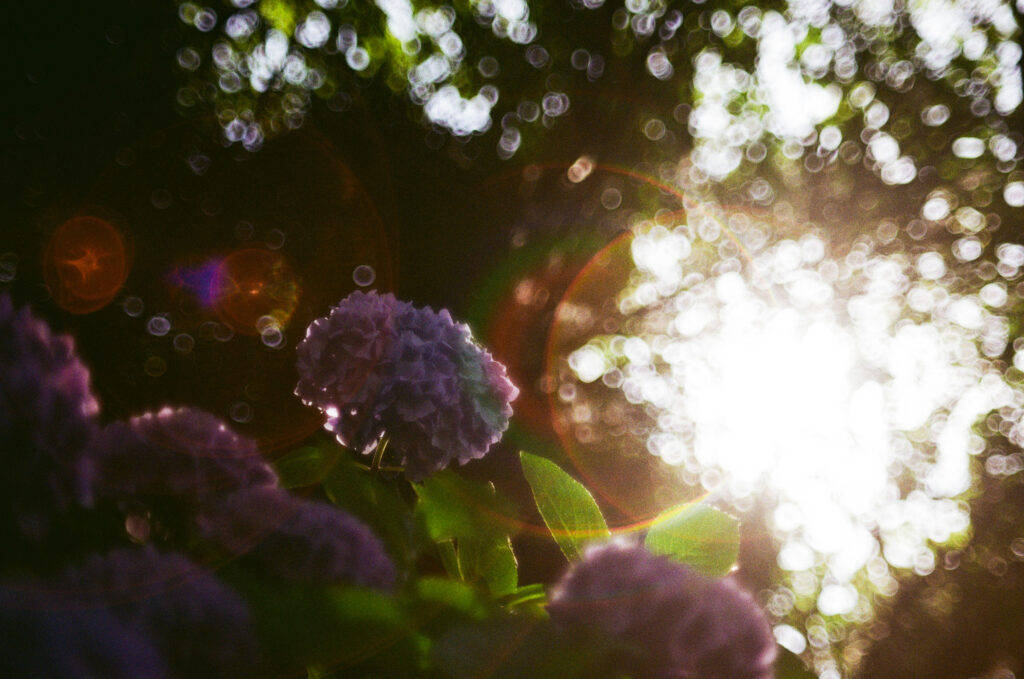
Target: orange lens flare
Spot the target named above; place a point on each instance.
(252, 284)
(85, 263)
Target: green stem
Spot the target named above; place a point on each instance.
(378, 455)
(450, 558)
(526, 594)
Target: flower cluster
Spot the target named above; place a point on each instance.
(380, 367)
(47, 413)
(298, 539)
(185, 453)
(90, 643)
(670, 621)
(200, 626)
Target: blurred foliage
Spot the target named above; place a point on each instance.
(803, 86)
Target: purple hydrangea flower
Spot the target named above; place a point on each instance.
(380, 367)
(202, 628)
(47, 417)
(186, 454)
(40, 640)
(667, 621)
(297, 539)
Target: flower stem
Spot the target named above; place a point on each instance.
(450, 558)
(378, 454)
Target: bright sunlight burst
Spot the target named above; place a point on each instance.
(847, 389)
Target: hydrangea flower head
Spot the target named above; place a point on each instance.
(379, 367)
(37, 640)
(297, 539)
(667, 620)
(201, 627)
(185, 454)
(47, 418)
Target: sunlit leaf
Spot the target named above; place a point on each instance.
(454, 507)
(470, 522)
(697, 535)
(491, 560)
(567, 507)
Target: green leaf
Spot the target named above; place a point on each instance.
(455, 507)
(568, 509)
(307, 465)
(513, 647)
(470, 519)
(697, 535)
(531, 599)
(307, 625)
(451, 594)
(492, 560)
(380, 504)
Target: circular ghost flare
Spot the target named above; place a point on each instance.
(85, 264)
(252, 285)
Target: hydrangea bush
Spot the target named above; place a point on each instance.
(670, 621)
(220, 563)
(37, 640)
(184, 454)
(47, 419)
(298, 539)
(201, 627)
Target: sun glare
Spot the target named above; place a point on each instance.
(847, 389)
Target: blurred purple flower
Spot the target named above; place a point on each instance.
(38, 640)
(297, 539)
(186, 454)
(667, 621)
(202, 628)
(47, 413)
(380, 367)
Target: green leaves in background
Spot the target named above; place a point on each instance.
(790, 666)
(380, 503)
(337, 628)
(307, 465)
(513, 647)
(568, 509)
(471, 524)
(697, 535)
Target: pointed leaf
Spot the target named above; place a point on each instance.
(567, 507)
(697, 535)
